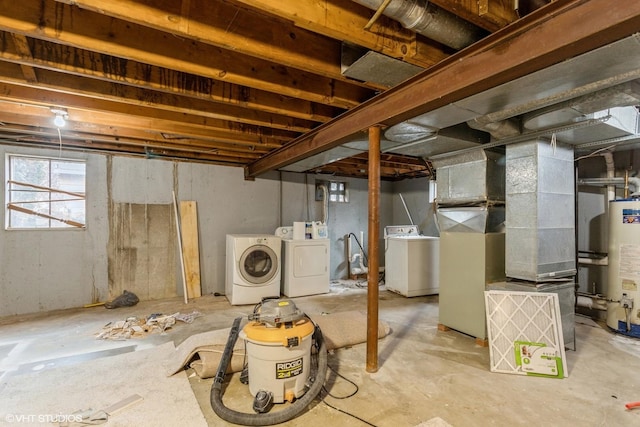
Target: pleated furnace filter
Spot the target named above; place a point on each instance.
(525, 333)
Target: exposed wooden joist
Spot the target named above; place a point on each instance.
(360, 171)
(51, 85)
(121, 125)
(227, 26)
(78, 62)
(345, 20)
(127, 149)
(543, 38)
(143, 118)
(488, 14)
(135, 113)
(58, 22)
(123, 142)
(22, 47)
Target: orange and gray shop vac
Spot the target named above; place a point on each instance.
(281, 344)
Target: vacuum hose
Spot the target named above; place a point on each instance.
(265, 419)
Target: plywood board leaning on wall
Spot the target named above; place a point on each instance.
(141, 250)
(190, 247)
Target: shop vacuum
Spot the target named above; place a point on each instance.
(281, 345)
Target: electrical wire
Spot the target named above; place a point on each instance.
(60, 145)
(347, 380)
(327, 393)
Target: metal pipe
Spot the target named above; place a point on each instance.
(626, 183)
(429, 20)
(406, 209)
(611, 173)
(593, 302)
(594, 261)
(374, 235)
(622, 182)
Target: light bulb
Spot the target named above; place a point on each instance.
(59, 121)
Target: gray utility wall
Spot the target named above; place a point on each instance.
(130, 239)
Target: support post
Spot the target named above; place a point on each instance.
(374, 235)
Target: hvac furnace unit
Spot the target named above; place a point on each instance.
(540, 218)
(470, 216)
(623, 315)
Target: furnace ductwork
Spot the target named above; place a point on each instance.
(429, 20)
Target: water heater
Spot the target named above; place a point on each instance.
(623, 314)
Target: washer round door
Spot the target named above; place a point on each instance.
(258, 264)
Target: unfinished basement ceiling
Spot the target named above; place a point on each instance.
(235, 82)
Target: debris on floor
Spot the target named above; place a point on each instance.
(126, 299)
(139, 327)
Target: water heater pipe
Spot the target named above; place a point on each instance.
(633, 182)
(611, 173)
(594, 261)
(594, 302)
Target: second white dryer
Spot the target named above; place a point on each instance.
(305, 267)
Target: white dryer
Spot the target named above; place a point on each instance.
(253, 269)
(305, 266)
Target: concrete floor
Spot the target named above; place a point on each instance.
(425, 375)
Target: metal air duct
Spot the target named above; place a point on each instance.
(504, 124)
(429, 20)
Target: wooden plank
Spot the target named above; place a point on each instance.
(190, 247)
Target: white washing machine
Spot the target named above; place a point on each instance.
(253, 268)
(305, 263)
(411, 262)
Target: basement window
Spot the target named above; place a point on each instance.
(45, 192)
(336, 190)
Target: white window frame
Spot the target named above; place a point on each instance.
(44, 195)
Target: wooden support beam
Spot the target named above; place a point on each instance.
(373, 277)
(22, 47)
